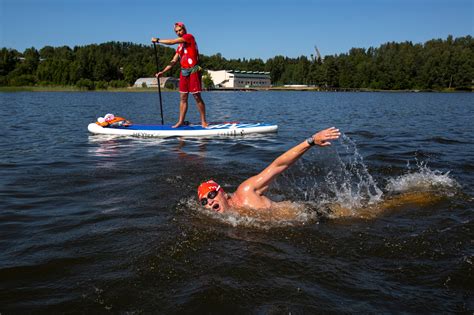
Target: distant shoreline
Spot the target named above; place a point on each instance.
(316, 89)
(250, 89)
(74, 89)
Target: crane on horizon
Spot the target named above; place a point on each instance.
(318, 55)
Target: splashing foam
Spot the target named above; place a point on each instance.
(356, 192)
(283, 215)
(350, 182)
(422, 179)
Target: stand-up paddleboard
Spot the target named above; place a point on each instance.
(191, 130)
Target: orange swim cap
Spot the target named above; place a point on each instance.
(206, 187)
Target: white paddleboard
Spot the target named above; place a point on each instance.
(191, 130)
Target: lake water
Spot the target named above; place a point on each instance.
(94, 223)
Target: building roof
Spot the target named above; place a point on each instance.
(248, 72)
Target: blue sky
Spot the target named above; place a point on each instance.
(236, 29)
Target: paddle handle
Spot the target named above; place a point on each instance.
(158, 83)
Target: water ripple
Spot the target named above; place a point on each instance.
(98, 224)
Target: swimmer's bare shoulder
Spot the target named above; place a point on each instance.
(248, 195)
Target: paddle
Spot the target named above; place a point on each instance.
(158, 81)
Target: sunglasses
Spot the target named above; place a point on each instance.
(211, 195)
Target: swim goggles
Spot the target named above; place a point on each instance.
(211, 195)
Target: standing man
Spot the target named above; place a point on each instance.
(191, 72)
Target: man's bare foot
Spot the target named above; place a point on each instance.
(204, 124)
(178, 124)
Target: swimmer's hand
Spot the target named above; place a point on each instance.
(322, 138)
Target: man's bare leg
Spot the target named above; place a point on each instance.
(202, 109)
(183, 108)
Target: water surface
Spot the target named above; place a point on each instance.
(93, 223)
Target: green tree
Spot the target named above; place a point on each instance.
(85, 84)
(8, 61)
(276, 67)
(207, 81)
(435, 64)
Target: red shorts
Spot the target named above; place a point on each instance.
(191, 83)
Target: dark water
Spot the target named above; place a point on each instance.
(97, 224)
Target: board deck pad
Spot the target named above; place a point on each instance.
(191, 130)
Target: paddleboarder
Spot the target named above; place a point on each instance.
(250, 193)
(191, 73)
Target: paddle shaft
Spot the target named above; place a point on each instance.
(158, 83)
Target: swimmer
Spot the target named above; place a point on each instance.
(251, 193)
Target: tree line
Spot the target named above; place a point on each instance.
(437, 64)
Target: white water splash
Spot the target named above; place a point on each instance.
(352, 184)
(347, 181)
(421, 179)
(296, 214)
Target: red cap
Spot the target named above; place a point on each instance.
(180, 24)
(206, 187)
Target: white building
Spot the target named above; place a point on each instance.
(152, 82)
(240, 79)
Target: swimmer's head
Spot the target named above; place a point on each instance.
(212, 196)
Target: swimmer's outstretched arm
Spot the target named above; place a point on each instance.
(260, 182)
